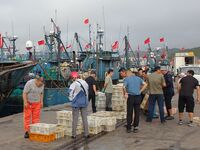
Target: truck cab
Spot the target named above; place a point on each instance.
(195, 68)
(183, 59)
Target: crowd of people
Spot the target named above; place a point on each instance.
(159, 86)
(137, 83)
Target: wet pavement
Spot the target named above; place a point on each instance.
(152, 136)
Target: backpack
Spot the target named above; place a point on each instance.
(80, 100)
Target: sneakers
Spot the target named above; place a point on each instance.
(155, 116)
(87, 137)
(191, 124)
(73, 137)
(180, 122)
(169, 117)
(26, 135)
(128, 130)
(136, 129)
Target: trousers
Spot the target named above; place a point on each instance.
(75, 114)
(31, 114)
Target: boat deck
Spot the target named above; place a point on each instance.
(152, 136)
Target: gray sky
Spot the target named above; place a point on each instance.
(176, 20)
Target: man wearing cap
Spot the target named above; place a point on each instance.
(92, 89)
(75, 88)
(168, 92)
(156, 82)
(33, 102)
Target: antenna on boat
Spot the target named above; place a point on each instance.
(29, 32)
(104, 24)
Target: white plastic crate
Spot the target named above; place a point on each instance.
(95, 130)
(94, 121)
(109, 128)
(108, 121)
(118, 102)
(64, 113)
(60, 133)
(68, 132)
(43, 128)
(65, 122)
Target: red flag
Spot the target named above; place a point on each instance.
(62, 48)
(41, 42)
(86, 21)
(115, 45)
(163, 55)
(69, 46)
(147, 41)
(145, 56)
(162, 39)
(87, 46)
(1, 41)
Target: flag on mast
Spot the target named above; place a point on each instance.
(1, 41)
(147, 41)
(69, 46)
(162, 39)
(86, 21)
(115, 45)
(41, 42)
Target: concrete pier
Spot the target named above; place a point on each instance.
(152, 136)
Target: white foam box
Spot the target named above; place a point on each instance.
(43, 128)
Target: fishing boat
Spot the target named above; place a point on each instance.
(11, 73)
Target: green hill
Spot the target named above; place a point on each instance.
(171, 52)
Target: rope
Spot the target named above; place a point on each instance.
(52, 80)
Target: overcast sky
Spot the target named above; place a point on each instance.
(176, 20)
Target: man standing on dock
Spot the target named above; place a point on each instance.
(156, 83)
(168, 92)
(75, 88)
(132, 86)
(186, 88)
(92, 89)
(108, 86)
(33, 102)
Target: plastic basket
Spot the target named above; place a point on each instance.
(42, 138)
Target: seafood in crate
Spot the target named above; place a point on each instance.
(43, 128)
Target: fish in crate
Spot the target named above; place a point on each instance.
(43, 128)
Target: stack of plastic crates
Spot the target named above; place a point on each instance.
(42, 132)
